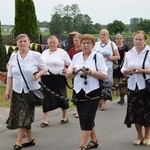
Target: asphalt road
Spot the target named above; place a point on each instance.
(112, 133)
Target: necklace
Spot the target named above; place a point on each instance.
(103, 44)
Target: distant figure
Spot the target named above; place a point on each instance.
(138, 100)
(72, 52)
(110, 53)
(120, 81)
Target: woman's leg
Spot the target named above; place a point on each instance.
(29, 134)
(46, 117)
(21, 132)
(139, 131)
(85, 137)
(93, 135)
(147, 133)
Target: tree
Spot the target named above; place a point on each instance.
(144, 25)
(25, 19)
(116, 27)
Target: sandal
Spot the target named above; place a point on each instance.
(17, 147)
(63, 121)
(82, 148)
(27, 144)
(43, 125)
(92, 144)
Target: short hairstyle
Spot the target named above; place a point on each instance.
(105, 31)
(142, 32)
(88, 37)
(53, 37)
(22, 36)
(118, 35)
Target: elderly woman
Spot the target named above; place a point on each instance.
(110, 53)
(21, 113)
(138, 107)
(86, 73)
(57, 61)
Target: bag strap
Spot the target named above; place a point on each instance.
(143, 66)
(95, 59)
(22, 73)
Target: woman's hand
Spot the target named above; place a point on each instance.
(7, 95)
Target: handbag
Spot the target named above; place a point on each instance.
(105, 85)
(147, 81)
(34, 97)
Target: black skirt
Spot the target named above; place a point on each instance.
(87, 108)
(138, 108)
(57, 84)
(21, 115)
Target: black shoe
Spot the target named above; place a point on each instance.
(17, 147)
(27, 144)
(121, 101)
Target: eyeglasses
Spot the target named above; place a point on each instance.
(85, 77)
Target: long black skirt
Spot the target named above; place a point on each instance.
(57, 84)
(138, 108)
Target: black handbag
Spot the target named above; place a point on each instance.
(105, 85)
(147, 81)
(34, 97)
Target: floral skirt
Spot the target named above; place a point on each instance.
(138, 108)
(21, 115)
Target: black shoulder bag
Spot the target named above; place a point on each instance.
(35, 97)
(147, 81)
(105, 85)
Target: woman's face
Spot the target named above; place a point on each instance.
(119, 40)
(53, 44)
(76, 42)
(104, 37)
(139, 41)
(23, 43)
(87, 46)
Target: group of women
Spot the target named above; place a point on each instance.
(54, 64)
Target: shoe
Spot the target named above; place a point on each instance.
(146, 142)
(138, 142)
(82, 148)
(92, 144)
(43, 125)
(17, 147)
(121, 101)
(63, 121)
(27, 144)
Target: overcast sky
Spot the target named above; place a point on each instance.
(100, 11)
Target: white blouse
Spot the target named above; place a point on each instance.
(78, 62)
(29, 65)
(105, 50)
(134, 60)
(56, 60)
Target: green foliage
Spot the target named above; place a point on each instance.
(144, 25)
(116, 27)
(25, 19)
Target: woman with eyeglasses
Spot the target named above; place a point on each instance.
(86, 73)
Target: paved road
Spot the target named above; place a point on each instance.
(112, 133)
